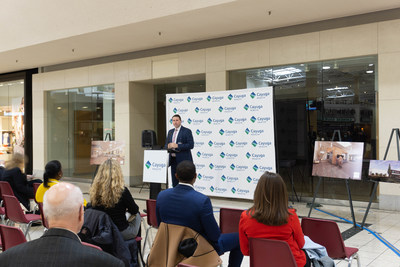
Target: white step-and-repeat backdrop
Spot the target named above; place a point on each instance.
(233, 135)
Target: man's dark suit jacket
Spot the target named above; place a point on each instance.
(182, 205)
(58, 248)
(185, 144)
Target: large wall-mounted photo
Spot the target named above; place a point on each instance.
(338, 159)
(385, 170)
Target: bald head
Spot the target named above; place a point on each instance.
(63, 206)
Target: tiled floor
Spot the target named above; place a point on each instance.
(372, 251)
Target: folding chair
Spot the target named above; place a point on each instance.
(6, 189)
(11, 236)
(270, 253)
(151, 219)
(15, 214)
(44, 222)
(327, 234)
(229, 220)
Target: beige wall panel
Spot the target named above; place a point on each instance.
(294, 49)
(77, 77)
(389, 36)
(140, 69)
(247, 55)
(101, 74)
(121, 71)
(215, 59)
(387, 120)
(37, 83)
(121, 98)
(193, 62)
(216, 81)
(165, 68)
(122, 127)
(53, 80)
(389, 73)
(389, 188)
(349, 42)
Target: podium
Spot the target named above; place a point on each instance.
(155, 166)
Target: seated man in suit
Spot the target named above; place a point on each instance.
(182, 205)
(59, 246)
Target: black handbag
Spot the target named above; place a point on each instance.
(188, 246)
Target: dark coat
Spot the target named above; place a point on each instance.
(19, 184)
(59, 248)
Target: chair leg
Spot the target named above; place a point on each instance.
(354, 256)
(28, 227)
(145, 239)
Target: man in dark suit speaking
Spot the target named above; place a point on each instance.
(179, 144)
(59, 246)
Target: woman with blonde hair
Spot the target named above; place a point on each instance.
(108, 193)
(270, 218)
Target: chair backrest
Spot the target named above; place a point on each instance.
(270, 253)
(11, 236)
(229, 220)
(151, 212)
(35, 188)
(91, 245)
(5, 189)
(44, 221)
(325, 233)
(13, 209)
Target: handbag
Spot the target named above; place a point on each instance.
(188, 246)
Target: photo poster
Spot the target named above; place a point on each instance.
(338, 159)
(234, 141)
(384, 170)
(103, 150)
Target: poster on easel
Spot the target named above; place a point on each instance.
(103, 150)
(335, 159)
(384, 170)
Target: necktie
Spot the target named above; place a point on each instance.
(174, 136)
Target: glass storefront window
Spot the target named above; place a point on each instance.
(319, 101)
(75, 117)
(12, 119)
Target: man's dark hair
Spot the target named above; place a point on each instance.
(178, 116)
(186, 171)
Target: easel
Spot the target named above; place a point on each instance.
(108, 136)
(347, 187)
(375, 186)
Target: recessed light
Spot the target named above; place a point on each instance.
(369, 71)
(84, 107)
(58, 107)
(326, 67)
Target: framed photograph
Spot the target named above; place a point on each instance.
(385, 170)
(338, 159)
(103, 150)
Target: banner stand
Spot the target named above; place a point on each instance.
(375, 185)
(155, 170)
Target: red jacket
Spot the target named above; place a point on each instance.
(290, 232)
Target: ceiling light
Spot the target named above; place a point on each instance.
(371, 65)
(326, 67)
(84, 107)
(335, 66)
(58, 107)
(337, 88)
(369, 71)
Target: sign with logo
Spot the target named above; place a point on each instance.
(234, 141)
(155, 165)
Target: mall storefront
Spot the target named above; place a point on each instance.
(338, 80)
(16, 116)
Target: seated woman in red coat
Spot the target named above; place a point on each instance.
(270, 218)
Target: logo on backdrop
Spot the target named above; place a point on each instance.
(215, 121)
(194, 99)
(195, 121)
(259, 95)
(237, 120)
(238, 143)
(261, 144)
(205, 177)
(215, 98)
(236, 96)
(255, 156)
(202, 110)
(226, 109)
(260, 119)
(203, 132)
(175, 100)
(240, 191)
(204, 155)
(262, 168)
(254, 131)
(180, 110)
(238, 168)
(252, 180)
(253, 107)
(198, 144)
(216, 144)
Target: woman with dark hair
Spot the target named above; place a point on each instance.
(270, 218)
(52, 174)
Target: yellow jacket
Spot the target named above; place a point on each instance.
(41, 190)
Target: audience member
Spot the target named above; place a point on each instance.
(108, 193)
(22, 188)
(182, 205)
(59, 246)
(270, 218)
(52, 174)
